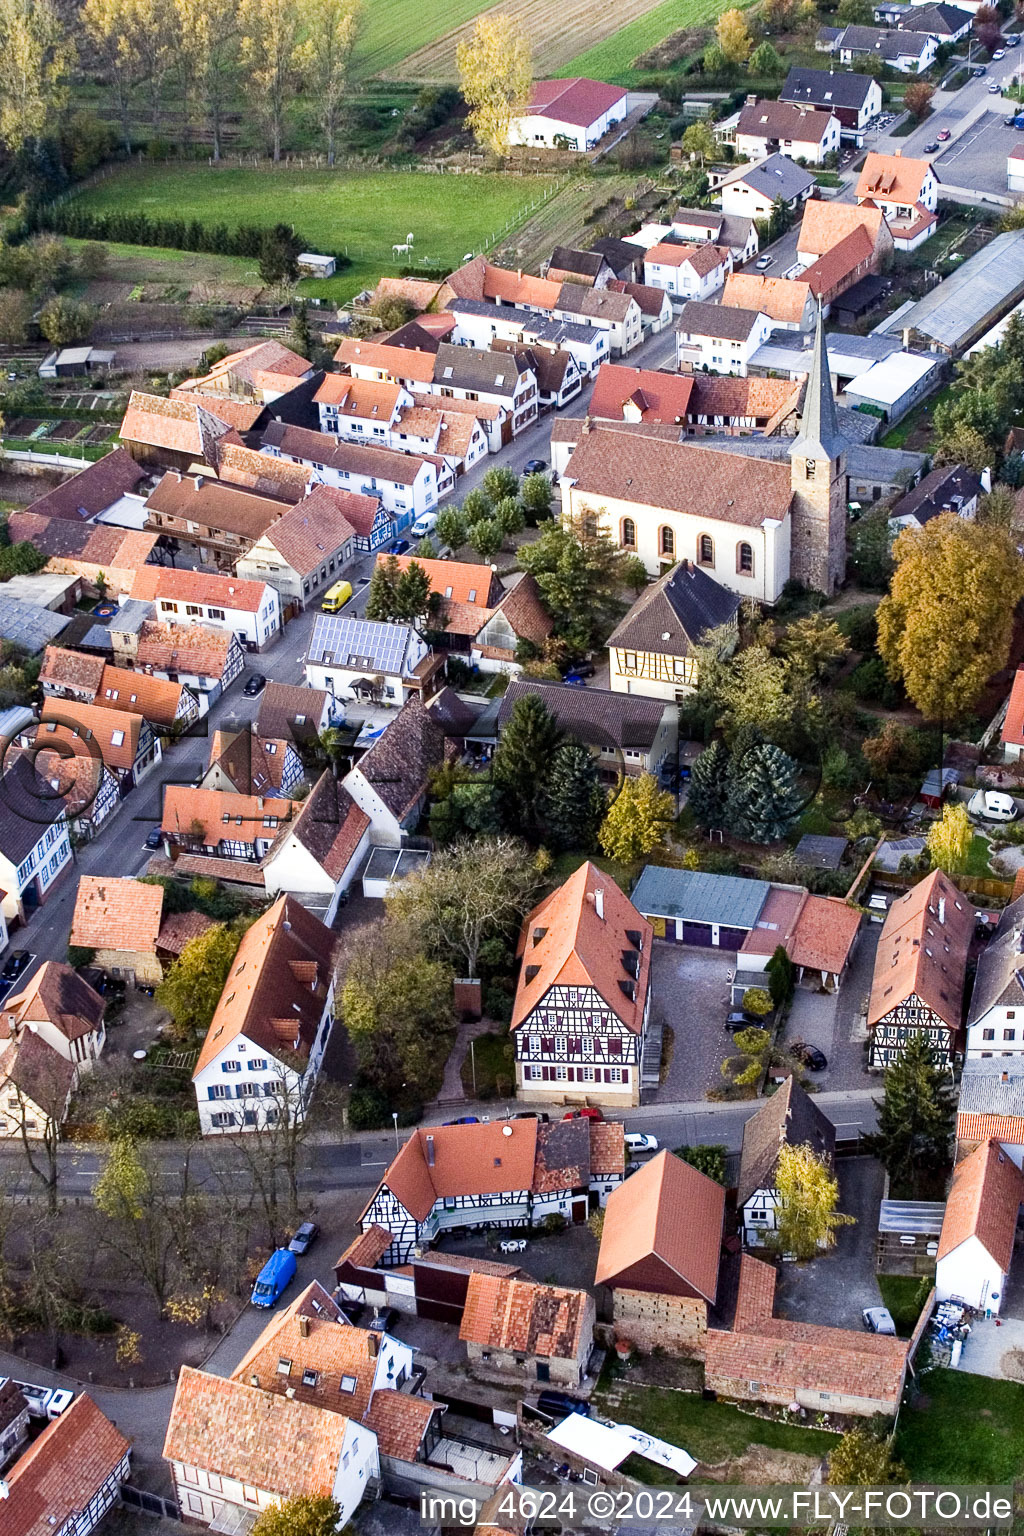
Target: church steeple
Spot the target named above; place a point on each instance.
(818, 437)
(817, 459)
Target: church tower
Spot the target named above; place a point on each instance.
(818, 477)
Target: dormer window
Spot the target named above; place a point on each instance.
(284, 1367)
(809, 469)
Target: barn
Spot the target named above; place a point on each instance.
(692, 907)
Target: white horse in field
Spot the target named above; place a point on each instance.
(400, 250)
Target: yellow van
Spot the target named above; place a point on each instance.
(336, 597)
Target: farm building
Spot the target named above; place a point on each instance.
(568, 114)
(968, 302)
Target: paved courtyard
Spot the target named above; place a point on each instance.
(691, 996)
(838, 1286)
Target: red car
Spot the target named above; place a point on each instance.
(942, 135)
(589, 1112)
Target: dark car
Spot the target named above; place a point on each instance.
(581, 669)
(254, 684)
(399, 547)
(464, 1120)
(1012, 39)
(559, 1404)
(930, 149)
(531, 1114)
(382, 1320)
(1008, 122)
(305, 1237)
(808, 1056)
(155, 838)
(738, 1021)
(20, 961)
(535, 466)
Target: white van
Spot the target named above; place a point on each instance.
(992, 805)
(424, 524)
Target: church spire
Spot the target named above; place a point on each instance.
(819, 436)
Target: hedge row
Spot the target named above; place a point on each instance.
(128, 228)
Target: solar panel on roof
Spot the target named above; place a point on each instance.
(382, 646)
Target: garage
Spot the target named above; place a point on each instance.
(701, 910)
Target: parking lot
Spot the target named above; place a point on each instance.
(977, 160)
(836, 1288)
(690, 989)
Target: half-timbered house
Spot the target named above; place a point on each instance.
(579, 1021)
(510, 1173)
(918, 984)
(652, 651)
(790, 1117)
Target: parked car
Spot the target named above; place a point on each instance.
(1018, 122)
(943, 134)
(382, 1319)
(574, 680)
(1000, 53)
(1012, 39)
(581, 669)
(20, 961)
(399, 547)
(588, 1112)
(1008, 122)
(930, 149)
(993, 805)
(879, 1320)
(424, 524)
(276, 1274)
(808, 1055)
(305, 1236)
(155, 838)
(532, 1114)
(535, 466)
(737, 1021)
(464, 1120)
(254, 684)
(639, 1141)
(559, 1404)
(994, 88)
(764, 262)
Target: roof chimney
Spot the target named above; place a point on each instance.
(1004, 1076)
(430, 1151)
(599, 904)
(372, 1345)
(303, 1327)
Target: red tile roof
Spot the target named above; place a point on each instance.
(923, 949)
(452, 1160)
(399, 1421)
(825, 933)
(319, 525)
(88, 731)
(657, 396)
(212, 815)
(579, 101)
(56, 995)
(984, 1199)
(524, 1317)
(669, 1212)
(200, 650)
(155, 582)
(136, 693)
(116, 913)
(1013, 725)
(62, 1471)
(565, 941)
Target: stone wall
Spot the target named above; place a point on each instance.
(650, 1321)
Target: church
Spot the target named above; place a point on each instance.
(751, 512)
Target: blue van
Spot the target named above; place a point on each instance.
(272, 1279)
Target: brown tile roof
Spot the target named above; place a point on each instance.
(675, 613)
(755, 1299)
(357, 458)
(230, 871)
(563, 1156)
(155, 582)
(273, 1443)
(594, 303)
(399, 764)
(62, 1471)
(983, 1202)
(467, 1160)
(239, 465)
(777, 297)
(277, 986)
(607, 1147)
(57, 995)
(309, 1337)
(88, 729)
(826, 930)
(418, 291)
(520, 1315)
(783, 120)
(59, 538)
(481, 409)
(214, 504)
(666, 1211)
(116, 913)
(330, 825)
(469, 1264)
(93, 489)
(210, 815)
(399, 1421)
(71, 668)
(199, 649)
(253, 764)
(266, 364)
(923, 949)
(766, 399)
(578, 101)
(135, 693)
(825, 224)
(681, 477)
(240, 414)
(290, 711)
(319, 525)
(698, 317)
(789, 1116)
(703, 258)
(524, 610)
(459, 580)
(657, 396)
(43, 1075)
(12, 1404)
(651, 300)
(364, 1251)
(892, 178)
(786, 1357)
(565, 942)
(838, 263)
(180, 928)
(180, 426)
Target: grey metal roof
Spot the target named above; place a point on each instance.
(541, 326)
(358, 644)
(821, 852)
(973, 296)
(130, 617)
(697, 897)
(29, 624)
(822, 87)
(983, 1090)
(864, 461)
(790, 350)
(906, 1216)
(778, 176)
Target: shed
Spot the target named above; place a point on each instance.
(859, 299)
(691, 907)
(908, 1236)
(937, 786)
(311, 265)
(895, 383)
(386, 865)
(819, 852)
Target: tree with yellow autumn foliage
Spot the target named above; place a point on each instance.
(324, 56)
(36, 58)
(270, 38)
(733, 37)
(495, 75)
(949, 840)
(808, 1193)
(946, 623)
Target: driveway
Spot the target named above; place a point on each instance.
(690, 995)
(837, 1287)
(995, 1348)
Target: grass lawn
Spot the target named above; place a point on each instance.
(566, 864)
(915, 423)
(711, 1431)
(963, 1429)
(388, 33)
(977, 858)
(611, 59)
(495, 1057)
(901, 1294)
(359, 213)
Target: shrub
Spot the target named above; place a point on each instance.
(367, 1110)
(757, 1001)
(708, 1158)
